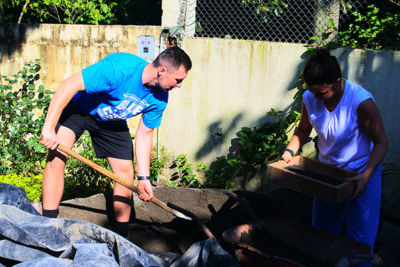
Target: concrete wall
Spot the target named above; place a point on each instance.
(233, 83)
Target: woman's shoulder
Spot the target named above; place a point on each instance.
(357, 92)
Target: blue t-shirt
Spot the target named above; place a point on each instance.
(114, 91)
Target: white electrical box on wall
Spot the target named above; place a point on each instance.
(146, 47)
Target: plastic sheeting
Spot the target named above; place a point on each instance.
(28, 239)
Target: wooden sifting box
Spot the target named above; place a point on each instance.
(313, 177)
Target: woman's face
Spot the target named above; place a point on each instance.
(324, 92)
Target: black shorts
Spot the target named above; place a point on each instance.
(109, 138)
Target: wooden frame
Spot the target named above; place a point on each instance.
(279, 173)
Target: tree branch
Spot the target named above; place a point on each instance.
(22, 12)
(396, 2)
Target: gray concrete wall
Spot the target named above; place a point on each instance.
(233, 83)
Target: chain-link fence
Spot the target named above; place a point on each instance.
(289, 21)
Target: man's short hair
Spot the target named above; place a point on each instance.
(174, 56)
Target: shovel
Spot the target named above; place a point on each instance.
(119, 180)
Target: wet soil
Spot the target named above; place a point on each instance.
(156, 230)
(161, 233)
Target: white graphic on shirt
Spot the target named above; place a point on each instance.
(129, 107)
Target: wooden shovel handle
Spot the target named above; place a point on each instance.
(97, 167)
(110, 175)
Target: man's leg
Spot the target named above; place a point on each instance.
(122, 196)
(53, 175)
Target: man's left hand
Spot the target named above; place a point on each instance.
(145, 189)
(360, 181)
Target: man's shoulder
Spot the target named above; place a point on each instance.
(126, 63)
(124, 56)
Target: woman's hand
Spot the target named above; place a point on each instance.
(286, 156)
(361, 181)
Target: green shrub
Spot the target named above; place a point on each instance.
(185, 175)
(157, 163)
(31, 183)
(22, 116)
(254, 148)
(372, 29)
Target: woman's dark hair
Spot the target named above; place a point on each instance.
(321, 68)
(174, 56)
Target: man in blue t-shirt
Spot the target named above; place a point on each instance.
(99, 99)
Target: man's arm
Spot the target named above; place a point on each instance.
(143, 147)
(61, 98)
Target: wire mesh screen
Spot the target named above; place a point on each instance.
(289, 21)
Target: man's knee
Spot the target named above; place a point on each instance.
(123, 199)
(56, 157)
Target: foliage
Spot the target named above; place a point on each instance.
(22, 116)
(185, 176)
(370, 28)
(255, 147)
(31, 183)
(82, 180)
(265, 8)
(157, 163)
(374, 29)
(66, 11)
(125, 12)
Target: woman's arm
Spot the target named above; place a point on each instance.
(371, 121)
(300, 135)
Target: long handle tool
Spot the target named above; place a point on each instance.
(119, 180)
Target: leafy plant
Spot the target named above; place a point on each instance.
(67, 11)
(22, 114)
(265, 8)
(255, 147)
(324, 39)
(374, 29)
(31, 183)
(185, 176)
(157, 163)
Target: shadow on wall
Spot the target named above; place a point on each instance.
(377, 71)
(12, 37)
(218, 136)
(374, 70)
